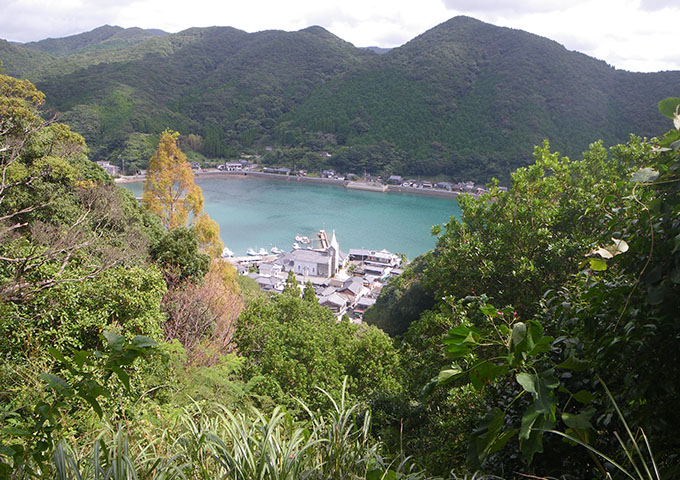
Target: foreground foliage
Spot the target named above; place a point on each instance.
(570, 275)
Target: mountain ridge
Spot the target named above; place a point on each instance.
(465, 99)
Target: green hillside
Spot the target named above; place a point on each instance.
(20, 61)
(471, 99)
(103, 38)
(466, 99)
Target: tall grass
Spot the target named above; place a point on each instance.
(245, 445)
(639, 459)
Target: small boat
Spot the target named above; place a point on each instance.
(301, 239)
(227, 253)
(296, 246)
(276, 251)
(251, 252)
(262, 251)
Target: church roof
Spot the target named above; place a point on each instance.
(310, 256)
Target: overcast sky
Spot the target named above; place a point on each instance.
(636, 35)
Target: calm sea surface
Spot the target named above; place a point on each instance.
(259, 212)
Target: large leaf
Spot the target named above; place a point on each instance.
(574, 364)
(484, 372)
(114, 341)
(141, 341)
(58, 384)
(528, 381)
(580, 421)
(449, 374)
(644, 175)
(597, 264)
(669, 106)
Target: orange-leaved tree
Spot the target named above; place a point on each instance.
(170, 192)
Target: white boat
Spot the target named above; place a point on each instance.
(262, 251)
(296, 246)
(227, 253)
(252, 252)
(301, 239)
(276, 251)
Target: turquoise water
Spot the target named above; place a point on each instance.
(259, 212)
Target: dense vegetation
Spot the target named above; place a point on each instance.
(465, 100)
(544, 297)
(542, 326)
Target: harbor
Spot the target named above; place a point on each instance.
(346, 282)
(259, 212)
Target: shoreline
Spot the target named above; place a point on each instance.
(326, 181)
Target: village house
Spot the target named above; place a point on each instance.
(233, 166)
(382, 257)
(110, 169)
(278, 170)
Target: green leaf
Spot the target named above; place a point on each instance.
(597, 264)
(484, 372)
(580, 421)
(488, 310)
(140, 341)
(656, 295)
(115, 341)
(57, 355)
(58, 384)
(381, 475)
(487, 438)
(445, 375)
(457, 351)
(644, 175)
(80, 357)
(584, 396)
(94, 404)
(18, 432)
(669, 106)
(528, 420)
(528, 382)
(574, 364)
(122, 375)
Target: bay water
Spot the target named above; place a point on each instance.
(259, 212)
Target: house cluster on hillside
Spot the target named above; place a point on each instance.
(345, 282)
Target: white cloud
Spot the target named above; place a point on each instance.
(498, 7)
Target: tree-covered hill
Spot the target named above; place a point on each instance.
(20, 61)
(221, 83)
(465, 99)
(472, 99)
(105, 37)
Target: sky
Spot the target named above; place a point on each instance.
(635, 35)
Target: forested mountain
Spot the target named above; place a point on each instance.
(103, 38)
(465, 99)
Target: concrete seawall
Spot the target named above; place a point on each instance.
(324, 181)
(366, 186)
